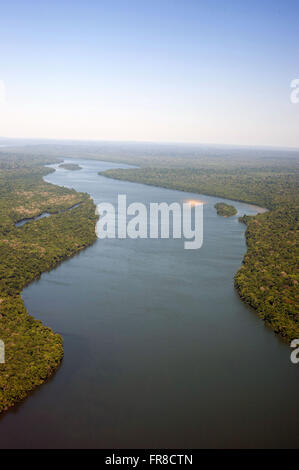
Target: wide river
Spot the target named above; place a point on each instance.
(159, 349)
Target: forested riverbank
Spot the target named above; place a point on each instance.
(268, 279)
(32, 350)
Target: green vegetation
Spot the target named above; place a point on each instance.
(268, 278)
(265, 188)
(33, 351)
(151, 155)
(225, 210)
(70, 166)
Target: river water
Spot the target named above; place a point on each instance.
(159, 350)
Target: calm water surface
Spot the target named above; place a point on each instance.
(159, 350)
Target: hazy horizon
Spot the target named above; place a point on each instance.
(20, 141)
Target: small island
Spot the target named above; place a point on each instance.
(70, 166)
(225, 209)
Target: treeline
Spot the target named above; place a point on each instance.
(32, 350)
(267, 189)
(268, 278)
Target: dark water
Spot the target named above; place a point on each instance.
(159, 350)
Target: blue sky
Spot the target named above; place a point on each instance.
(167, 70)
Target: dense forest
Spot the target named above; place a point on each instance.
(33, 351)
(268, 278)
(225, 210)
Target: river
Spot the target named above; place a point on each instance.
(159, 349)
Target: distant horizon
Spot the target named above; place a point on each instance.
(48, 140)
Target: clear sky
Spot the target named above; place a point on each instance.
(216, 71)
